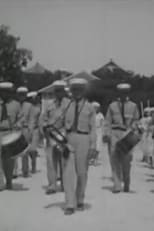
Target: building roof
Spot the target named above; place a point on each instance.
(36, 69)
(110, 68)
(82, 75)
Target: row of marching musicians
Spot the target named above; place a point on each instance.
(69, 126)
(19, 112)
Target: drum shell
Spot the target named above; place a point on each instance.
(14, 148)
(126, 144)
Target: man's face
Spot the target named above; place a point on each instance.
(22, 97)
(5, 94)
(78, 92)
(123, 95)
(59, 93)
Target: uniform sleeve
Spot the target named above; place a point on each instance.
(17, 115)
(101, 120)
(66, 105)
(23, 116)
(31, 123)
(44, 118)
(92, 129)
(108, 122)
(136, 113)
(136, 117)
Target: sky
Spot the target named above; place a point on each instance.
(78, 35)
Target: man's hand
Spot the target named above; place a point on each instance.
(106, 139)
(92, 153)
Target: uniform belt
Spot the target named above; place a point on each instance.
(78, 132)
(25, 126)
(4, 129)
(119, 128)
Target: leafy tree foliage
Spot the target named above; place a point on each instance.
(12, 58)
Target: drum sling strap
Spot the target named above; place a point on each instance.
(5, 116)
(122, 111)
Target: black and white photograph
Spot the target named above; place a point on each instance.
(76, 115)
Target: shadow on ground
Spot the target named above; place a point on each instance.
(106, 178)
(61, 205)
(110, 188)
(59, 188)
(150, 175)
(19, 187)
(55, 204)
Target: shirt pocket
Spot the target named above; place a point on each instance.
(83, 122)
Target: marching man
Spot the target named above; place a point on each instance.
(54, 115)
(99, 130)
(81, 134)
(122, 115)
(9, 110)
(23, 123)
(33, 126)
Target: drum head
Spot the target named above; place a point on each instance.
(13, 145)
(11, 137)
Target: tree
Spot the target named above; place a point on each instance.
(12, 58)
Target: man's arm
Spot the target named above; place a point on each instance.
(108, 123)
(92, 129)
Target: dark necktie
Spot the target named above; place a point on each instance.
(4, 115)
(123, 111)
(75, 123)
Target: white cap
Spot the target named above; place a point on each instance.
(95, 104)
(123, 86)
(78, 81)
(32, 94)
(6, 85)
(59, 83)
(22, 90)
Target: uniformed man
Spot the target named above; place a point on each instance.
(33, 125)
(23, 123)
(19, 92)
(2, 184)
(9, 110)
(81, 134)
(122, 115)
(54, 115)
(99, 131)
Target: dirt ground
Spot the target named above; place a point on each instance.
(28, 208)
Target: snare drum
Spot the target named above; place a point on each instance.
(13, 145)
(128, 142)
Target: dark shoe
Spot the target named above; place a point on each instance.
(33, 171)
(116, 191)
(50, 191)
(80, 207)
(69, 211)
(15, 176)
(9, 186)
(25, 175)
(2, 189)
(62, 189)
(126, 189)
(58, 178)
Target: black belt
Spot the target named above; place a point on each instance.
(4, 129)
(119, 128)
(78, 132)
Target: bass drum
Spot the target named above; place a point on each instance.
(13, 145)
